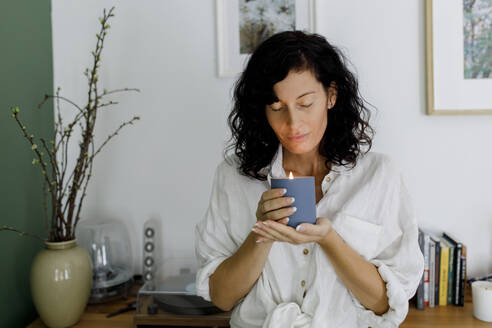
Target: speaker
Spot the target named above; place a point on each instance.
(151, 249)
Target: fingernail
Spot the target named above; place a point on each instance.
(294, 209)
(259, 240)
(292, 199)
(287, 220)
(284, 191)
(299, 228)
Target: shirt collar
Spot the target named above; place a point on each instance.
(276, 169)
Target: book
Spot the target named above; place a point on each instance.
(457, 267)
(463, 276)
(434, 271)
(419, 296)
(451, 273)
(444, 273)
(426, 268)
(437, 267)
(432, 274)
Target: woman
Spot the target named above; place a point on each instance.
(297, 109)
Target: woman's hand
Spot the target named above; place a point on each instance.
(273, 207)
(305, 232)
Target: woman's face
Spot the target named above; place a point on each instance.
(300, 111)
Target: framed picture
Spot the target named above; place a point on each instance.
(459, 56)
(244, 24)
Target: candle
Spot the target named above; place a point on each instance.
(482, 300)
(302, 189)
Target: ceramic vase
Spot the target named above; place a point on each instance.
(61, 280)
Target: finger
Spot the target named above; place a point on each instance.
(263, 233)
(284, 220)
(310, 229)
(272, 193)
(264, 240)
(274, 204)
(280, 213)
(287, 232)
(275, 233)
(266, 196)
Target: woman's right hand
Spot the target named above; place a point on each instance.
(273, 206)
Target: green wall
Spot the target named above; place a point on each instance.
(26, 74)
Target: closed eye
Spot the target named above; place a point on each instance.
(279, 109)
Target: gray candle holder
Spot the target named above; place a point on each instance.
(302, 189)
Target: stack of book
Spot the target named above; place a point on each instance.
(443, 281)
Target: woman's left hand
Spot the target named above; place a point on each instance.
(274, 231)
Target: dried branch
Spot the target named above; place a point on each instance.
(64, 194)
(22, 233)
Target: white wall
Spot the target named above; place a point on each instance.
(163, 165)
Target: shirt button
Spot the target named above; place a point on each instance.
(328, 179)
(303, 283)
(305, 251)
(304, 295)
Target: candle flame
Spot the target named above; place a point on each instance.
(291, 176)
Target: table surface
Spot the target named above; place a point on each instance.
(440, 316)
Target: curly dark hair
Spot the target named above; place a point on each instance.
(255, 142)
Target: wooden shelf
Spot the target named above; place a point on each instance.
(95, 317)
(441, 316)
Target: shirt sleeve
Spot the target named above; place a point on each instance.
(213, 242)
(400, 263)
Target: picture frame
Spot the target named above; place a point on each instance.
(230, 60)
(455, 84)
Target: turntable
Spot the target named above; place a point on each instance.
(171, 296)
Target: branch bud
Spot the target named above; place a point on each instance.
(34, 146)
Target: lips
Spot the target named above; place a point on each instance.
(298, 137)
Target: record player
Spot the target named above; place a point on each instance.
(172, 291)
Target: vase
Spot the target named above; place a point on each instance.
(61, 279)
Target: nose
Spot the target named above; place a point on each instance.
(293, 117)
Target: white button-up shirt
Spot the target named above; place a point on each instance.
(370, 209)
